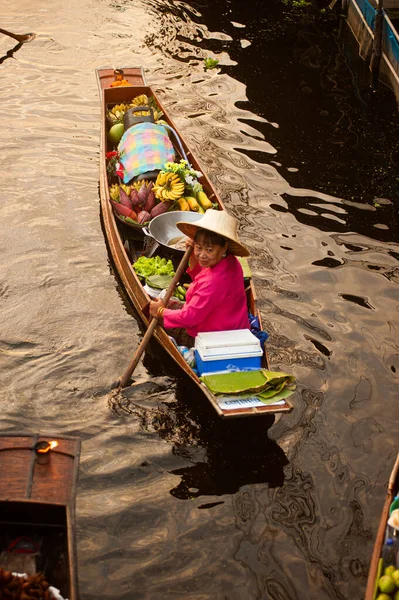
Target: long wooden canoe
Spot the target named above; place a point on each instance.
(393, 489)
(117, 233)
(37, 508)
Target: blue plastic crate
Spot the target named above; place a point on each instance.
(243, 363)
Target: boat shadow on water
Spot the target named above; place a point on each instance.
(222, 454)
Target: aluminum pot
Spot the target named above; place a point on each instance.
(163, 228)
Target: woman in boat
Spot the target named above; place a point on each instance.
(216, 299)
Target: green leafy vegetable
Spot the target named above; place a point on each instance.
(145, 267)
(160, 282)
(210, 63)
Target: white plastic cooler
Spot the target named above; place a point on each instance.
(224, 350)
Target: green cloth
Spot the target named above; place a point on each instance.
(267, 386)
(246, 269)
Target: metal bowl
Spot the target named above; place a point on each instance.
(163, 227)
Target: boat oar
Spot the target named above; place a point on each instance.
(124, 380)
(21, 38)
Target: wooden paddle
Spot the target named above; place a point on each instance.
(21, 38)
(124, 380)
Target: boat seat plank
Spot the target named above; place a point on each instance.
(14, 468)
(60, 471)
(21, 478)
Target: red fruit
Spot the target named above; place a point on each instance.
(134, 197)
(160, 208)
(143, 194)
(124, 198)
(125, 211)
(150, 203)
(143, 217)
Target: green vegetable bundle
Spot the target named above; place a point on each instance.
(145, 267)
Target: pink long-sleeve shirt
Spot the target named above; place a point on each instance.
(215, 300)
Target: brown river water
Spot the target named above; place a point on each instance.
(172, 503)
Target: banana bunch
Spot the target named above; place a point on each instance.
(144, 100)
(157, 116)
(138, 184)
(141, 100)
(168, 186)
(114, 191)
(115, 114)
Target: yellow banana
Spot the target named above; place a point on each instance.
(161, 179)
(141, 100)
(174, 177)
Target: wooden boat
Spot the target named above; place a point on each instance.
(119, 236)
(37, 508)
(375, 564)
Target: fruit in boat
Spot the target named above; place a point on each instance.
(389, 570)
(115, 133)
(143, 194)
(143, 217)
(183, 204)
(120, 82)
(115, 114)
(386, 584)
(124, 198)
(141, 100)
(138, 184)
(114, 192)
(384, 597)
(150, 202)
(160, 208)
(144, 100)
(134, 197)
(395, 577)
(204, 200)
(124, 211)
(168, 186)
(192, 202)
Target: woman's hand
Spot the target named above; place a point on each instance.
(155, 305)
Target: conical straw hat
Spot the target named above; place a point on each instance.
(220, 222)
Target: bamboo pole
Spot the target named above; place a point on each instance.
(124, 380)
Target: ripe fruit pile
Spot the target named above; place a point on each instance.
(24, 587)
(181, 291)
(120, 82)
(136, 204)
(117, 112)
(168, 186)
(388, 584)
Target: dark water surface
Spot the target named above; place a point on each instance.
(173, 503)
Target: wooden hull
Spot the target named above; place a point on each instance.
(114, 234)
(393, 488)
(37, 501)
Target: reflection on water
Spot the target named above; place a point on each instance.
(174, 502)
